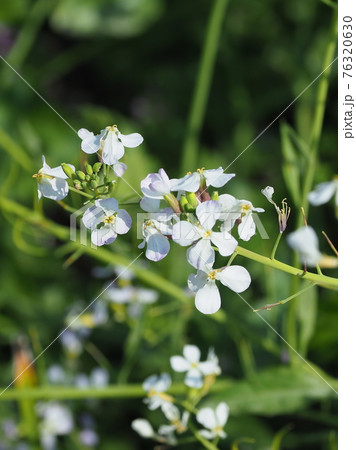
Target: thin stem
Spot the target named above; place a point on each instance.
(282, 302)
(202, 86)
(276, 245)
(84, 194)
(333, 248)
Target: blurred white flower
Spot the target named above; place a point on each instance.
(71, 343)
(213, 421)
(202, 178)
(106, 221)
(51, 183)
(145, 430)
(178, 423)
(98, 378)
(89, 437)
(155, 386)
(196, 370)
(57, 420)
(323, 192)
(207, 297)
(305, 242)
(110, 141)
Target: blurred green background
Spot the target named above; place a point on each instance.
(135, 63)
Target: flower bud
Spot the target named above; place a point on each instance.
(93, 184)
(80, 175)
(107, 179)
(192, 199)
(87, 177)
(67, 170)
(89, 169)
(77, 184)
(84, 184)
(97, 167)
(215, 195)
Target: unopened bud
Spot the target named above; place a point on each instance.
(97, 167)
(80, 175)
(192, 199)
(67, 170)
(107, 179)
(93, 184)
(215, 195)
(89, 169)
(77, 184)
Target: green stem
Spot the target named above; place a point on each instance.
(321, 280)
(282, 302)
(202, 87)
(84, 194)
(319, 115)
(276, 245)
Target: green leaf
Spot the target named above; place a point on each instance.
(277, 440)
(307, 310)
(279, 390)
(295, 154)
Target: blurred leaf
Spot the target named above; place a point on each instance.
(277, 440)
(119, 18)
(294, 151)
(278, 390)
(307, 309)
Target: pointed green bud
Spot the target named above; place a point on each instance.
(87, 177)
(84, 184)
(96, 178)
(89, 169)
(107, 179)
(77, 184)
(192, 199)
(183, 202)
(97, 167)
(67, 170)
(93, 184)
(80, 175)
(215, 195)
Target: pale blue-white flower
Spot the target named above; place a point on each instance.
(214, 421)
(145, 430)
(106, 221)
(202, 178)
(178, 422)
(247, 227)
(98, 378)
(56, 420)
(128, 294)
(84, 322)
(51, 183)
(196, 370)
(88, 437)
(156, 185)
(202, 235)
(305, 242)
(155, 386)
(110, 141)
(323, 192)
(207, 295)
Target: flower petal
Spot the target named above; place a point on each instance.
(247, 227)
(206, 417)
(150, 204)
(235, 278)
(222, 413)
(119, 169)
(179, 364)
(109, 205)
(194, 379)
(184, 233)
(112, 148)
(90, 143)
(217, 177)
(197, 281)
(208, 213)
(224, 242)
(157, 247)
(189, 183)
(305, 242)
(143, 428)
(322, 193)
(54, 189)
(103, 236)
(122, 222)
(93, 216)
(191, 353)
(130, 140)
(207, 299)
(201, 254)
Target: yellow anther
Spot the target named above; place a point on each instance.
(201, 170)
(189, 173)
(245, 207)
(109, 219)
(207, 234)
(212, 275)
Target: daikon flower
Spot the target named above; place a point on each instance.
(110, 141)
(202, 253)
(202, 178)
(106, 221)
(51, 183)
(283, 213)
(213, 421)
(196, 370)
(145, 430)
(247, 227)
(156, 185)
(178, 423)
(323, 192)
(57, 420)
(155, 386)
(207, 298)
(305, 242)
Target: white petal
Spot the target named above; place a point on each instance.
(247, 227)
(150, 382)
(120, 295)
(206, 417)
(163, 383)
(171, 411)
(197, 281)
(235, 278)
(119, 169)
(122, 222)
(150, 204)
(208, 213)
(207, 299)
(191, 353)
(184, 233)
(90, 143)
(157, 247)
(54, 189)
(103, 235)
(224, 242)
(56, 171)
(305, 242)
(146, 296)
(194, 379)
(112, 149)
(84, 133)
(189, 183)
(209, 368)
(322, 193)
(143, 428)
(109, 205)
(207, 434)
(222, 413)
(93, 216)
(217, 177)
(268, 192)
(179, 364)
(201, 254)
(131, 140)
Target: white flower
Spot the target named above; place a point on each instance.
(130, 294)
(283, 213)
(145, 430)
(113, 221)
(91, 318)
(57, 420)
(306, 243)
(155, 386)
(195, 369)
(110, 141)
(71, 343)
(207, 298)
(89, 437)
(246, 227)
(201, 253)
(202, 178)
(56, 374)
(214, 421)
(178, 424)
(98, 378)
(323, 193)
(51, 183)
(229, 211)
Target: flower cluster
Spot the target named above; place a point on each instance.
(200, 375)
